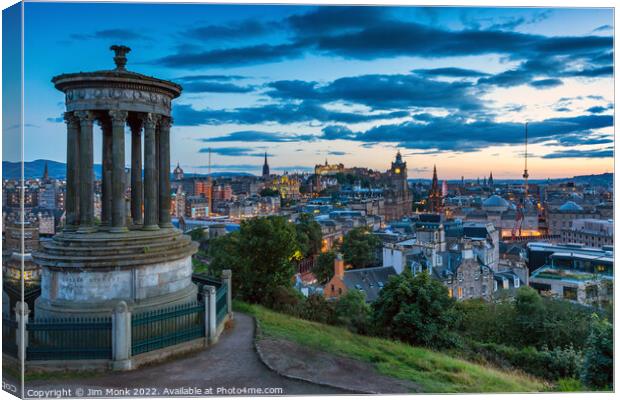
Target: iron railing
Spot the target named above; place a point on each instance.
(9, 335)
(70, 339)
(221, 303)
(156, 329)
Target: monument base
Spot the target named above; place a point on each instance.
(87, 275)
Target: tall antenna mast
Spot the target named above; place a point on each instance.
(525, 173)
(209, 180)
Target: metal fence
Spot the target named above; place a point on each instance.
(70, 339)
(221, 303)
(156, 329)
(9, 335)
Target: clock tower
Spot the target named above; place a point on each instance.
(397, 194)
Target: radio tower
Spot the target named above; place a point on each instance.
(210, 185)
(525, 174)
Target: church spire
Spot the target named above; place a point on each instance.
(266, 168)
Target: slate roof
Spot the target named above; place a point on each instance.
(369, 280)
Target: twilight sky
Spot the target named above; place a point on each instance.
(446, 86)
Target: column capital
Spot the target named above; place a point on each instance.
(150, 120)
(165, 122)
(85, 117)
(119, 117)
(71, 119)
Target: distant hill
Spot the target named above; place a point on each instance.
(604, 179)
(58, 170)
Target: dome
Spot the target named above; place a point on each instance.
(495, 203)
(570, 206)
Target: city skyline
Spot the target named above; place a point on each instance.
(309, 83)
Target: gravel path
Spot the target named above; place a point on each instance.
(230, 367)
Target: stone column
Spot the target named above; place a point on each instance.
(21, 336)
(209, 294)
(106, 171)
(73, 167)
(121, 337)
(164, 173)
(119, 118)
(227, 280)
(150, 173)
(136, 171)
(87, 187)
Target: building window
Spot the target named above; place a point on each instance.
(333, 289)
(339, 290)
(460, 292)
(517, 282)
(450, 292)
(570, 293)
(484, 290)
(495, 286)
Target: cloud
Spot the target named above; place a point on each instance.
(603, 28)
(233, 151)
(383, 92)
(367, 33)
(248, 55)
(596, 109)
(284, 113)
(598, 153)
(450, 72)
(456, 133)
(337, 153)
(106, 34)
(193, 78)
(258, 136)
(546, 83)
(215, 87)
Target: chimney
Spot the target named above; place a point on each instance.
(339, 266)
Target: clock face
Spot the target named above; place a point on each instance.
(397, 170)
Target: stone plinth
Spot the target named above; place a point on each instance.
(87, 275)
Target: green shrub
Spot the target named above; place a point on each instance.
(547, 364)
(352, 312)
(598, 366)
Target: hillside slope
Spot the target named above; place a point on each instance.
(434, 372)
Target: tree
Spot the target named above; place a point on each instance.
(415, 309)
(359, 247)
(529, 315)
(269, 192)
(597, 370)
(353, 312)
(261, 255)
(309, 235)
(323, 268)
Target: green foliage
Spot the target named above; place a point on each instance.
(547, 364)
(598, 366)
(323, 268)
(269, 192)
(359, 247)
(569, 385)
(415, 309)
(352, 312)
(260, 256)
(309, 235)
(198, 234)
(529, 320)
(431, 371)
(316, 308)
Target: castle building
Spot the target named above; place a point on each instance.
(398, 200)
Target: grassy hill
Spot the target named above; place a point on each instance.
(433, 371)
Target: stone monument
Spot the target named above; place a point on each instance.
(140, 258)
